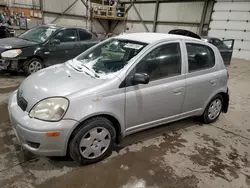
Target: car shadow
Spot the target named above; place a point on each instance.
(189, 123)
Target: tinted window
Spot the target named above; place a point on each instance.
(84, 35)
(199, 57)
(219, 44)
(68, 35)
(162, 62)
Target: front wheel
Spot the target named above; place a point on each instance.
(213, 109)
(32, 66)
(92, 141)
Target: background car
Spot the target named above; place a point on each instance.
(44, 46)
(225, 46)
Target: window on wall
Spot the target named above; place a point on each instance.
(162, 62)
(69, 35)
(84, 35)
(200, 57)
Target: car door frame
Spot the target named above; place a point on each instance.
(132, 129)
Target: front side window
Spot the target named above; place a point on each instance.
(69, 35)
(200, 57)
(108, 57)
(38, 34)
(162, 62)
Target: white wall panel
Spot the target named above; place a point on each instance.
(241, 54)
(138, 27)
(60, 6)
(233, 6)
(245, 45)
(180, 12)
(167, 28)
(3, 2)
(230, 20)
(230, 34)
(232, 25)
(73, 22)
(146, 12)
(230, 15)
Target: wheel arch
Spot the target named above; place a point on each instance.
(113, 119)
(225, 101)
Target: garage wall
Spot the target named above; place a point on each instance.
(76, 16)
(231, 20)
(176, 15)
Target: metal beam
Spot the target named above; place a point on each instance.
(168, 23)
(138, 14)
(203, 16)
(63, 13)
(85, 4)
(164, 1)
(41, 8)
(156, 15)
(102, 26)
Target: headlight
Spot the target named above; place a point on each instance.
(51, 109)
(11, 53)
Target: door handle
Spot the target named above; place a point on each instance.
(214, 82)
(178, 91)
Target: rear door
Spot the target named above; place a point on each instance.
(87, 40)
(202, 77)
(67, 49)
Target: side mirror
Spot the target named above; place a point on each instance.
(140, 78)
(55, 41)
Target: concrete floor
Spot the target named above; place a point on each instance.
(182, 154)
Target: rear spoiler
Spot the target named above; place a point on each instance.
(184, 32)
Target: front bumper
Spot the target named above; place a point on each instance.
(4, 64)
(29, 130)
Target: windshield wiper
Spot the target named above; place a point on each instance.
(96, 75)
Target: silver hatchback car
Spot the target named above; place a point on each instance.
(118, 87)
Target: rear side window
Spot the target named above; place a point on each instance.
(84, 35)
(68, 35)
(200, 57)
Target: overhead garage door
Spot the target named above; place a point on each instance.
(231, 20)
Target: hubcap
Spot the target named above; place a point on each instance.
(35, 66)
(214, 109)
(95, 142)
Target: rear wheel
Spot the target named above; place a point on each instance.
(213, 109)
(92, 141)
(33, 65)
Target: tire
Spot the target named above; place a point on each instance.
(36, 63)
(210, 115)
(89, 143)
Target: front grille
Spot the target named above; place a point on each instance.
(21, 102)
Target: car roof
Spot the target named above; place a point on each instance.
(153, 37)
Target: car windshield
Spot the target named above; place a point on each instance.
(38, 34)
(107, 58)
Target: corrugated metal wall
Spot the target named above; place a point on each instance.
(170, 16)
(231, 20)
(73, 16)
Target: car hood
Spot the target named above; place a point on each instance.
(57, 80)
(9, 43)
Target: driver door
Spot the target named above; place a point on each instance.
(162, 98)
(67, 49)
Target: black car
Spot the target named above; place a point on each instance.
(225, 46)
(43, 46)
